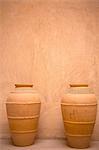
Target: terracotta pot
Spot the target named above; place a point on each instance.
(23, 111)
(79, 108)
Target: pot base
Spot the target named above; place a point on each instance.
(22, 140)
(78, 142)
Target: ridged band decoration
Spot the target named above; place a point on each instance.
(29, 131)
(27, 117)
(78, 135)
(23, 103)
(72, 122)
(68, 104)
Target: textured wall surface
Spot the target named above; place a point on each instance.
(48, 43)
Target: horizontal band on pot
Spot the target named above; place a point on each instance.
(73, 122)
(26, 117)
(23, 103)
(65, 104)
(78, 135)
(28, 131)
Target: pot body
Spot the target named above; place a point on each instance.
(79, 107)
(23, 111)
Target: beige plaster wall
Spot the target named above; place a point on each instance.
(48, 43)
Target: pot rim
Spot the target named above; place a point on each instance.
(23, 85)
(78, 85)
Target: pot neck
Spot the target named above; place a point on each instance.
(80, 89)
(23, 88)
(78, 85)
(23, 85)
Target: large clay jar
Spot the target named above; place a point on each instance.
(79, 108)
(23, 110)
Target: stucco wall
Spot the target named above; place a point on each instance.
(50, 44)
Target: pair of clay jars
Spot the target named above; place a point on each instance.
(78, 109)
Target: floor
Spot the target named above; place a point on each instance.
(48, 144)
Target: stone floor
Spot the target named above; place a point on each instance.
(48, 144)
